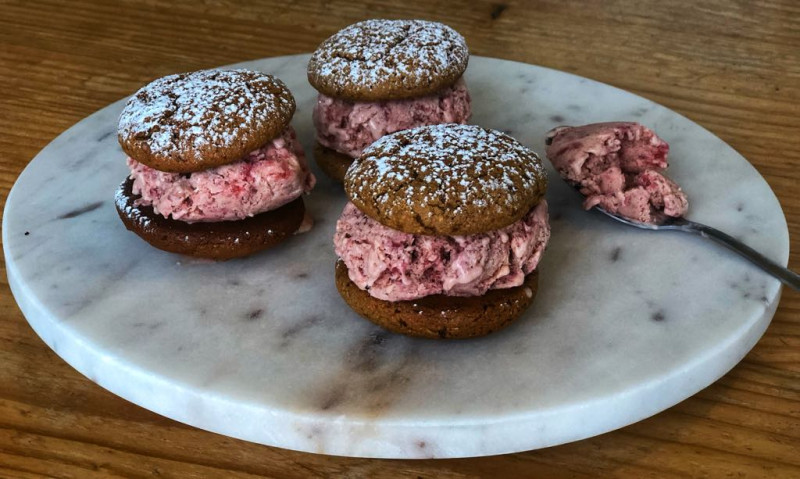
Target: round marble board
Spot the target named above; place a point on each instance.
(626, 322)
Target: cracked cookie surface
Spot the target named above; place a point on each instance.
(446, 180)
(388, 60)
(194, 121)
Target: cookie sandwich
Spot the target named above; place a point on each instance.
(216, 171)
(381, 76)
(443, 233)
(619, 167)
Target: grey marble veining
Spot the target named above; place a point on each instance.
(626, 322)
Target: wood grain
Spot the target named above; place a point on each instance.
(732, 66)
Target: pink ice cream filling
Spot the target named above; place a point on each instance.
(619, 167)
(349, 127)
(396, 266)
(264, 180)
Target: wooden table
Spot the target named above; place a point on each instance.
(733, 67)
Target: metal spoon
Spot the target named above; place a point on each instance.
(664, 222)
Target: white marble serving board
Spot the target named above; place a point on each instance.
(626, 322)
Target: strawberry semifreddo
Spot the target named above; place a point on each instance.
(397, 266)
(444, 231)
(619, 167)
(348, 127)
(264, 180)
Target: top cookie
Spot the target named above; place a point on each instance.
(195, 121)
(388, 60)
(446, 180)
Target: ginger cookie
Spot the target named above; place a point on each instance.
(446, 180)
(388, 60)
(440, 316)
(331, 162)
(194, 121)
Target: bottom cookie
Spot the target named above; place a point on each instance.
(219, 240)
(440, 316)
(331, 162)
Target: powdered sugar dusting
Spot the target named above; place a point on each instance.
(189, 117)
(398, 55)
(456, 171)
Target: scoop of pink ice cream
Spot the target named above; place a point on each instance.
(618, 166)
(264, 180)
(396, 266)
(349, 127)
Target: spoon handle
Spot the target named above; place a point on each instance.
(786, 276)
